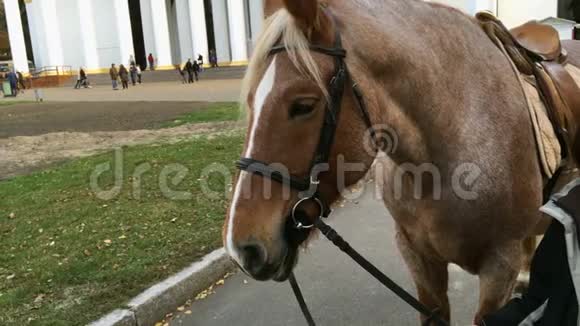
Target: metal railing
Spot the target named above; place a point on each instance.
(51, 71)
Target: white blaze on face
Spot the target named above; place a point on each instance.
(264, 89)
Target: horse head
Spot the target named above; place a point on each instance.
(286, 93)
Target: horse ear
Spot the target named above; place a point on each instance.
(271, 6)
(304, 11)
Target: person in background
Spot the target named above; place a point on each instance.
(196, 69)
(189, 68)
(82, 80)
(132, 60)
(138, 69)
(114, 74)
(200, 61)
(78, 83)
(213, 58)
(124, 75)
(181, 73)
(133, 72)
(21, 85)
(151, 60)
(13, 80)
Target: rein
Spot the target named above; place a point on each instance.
(308, 186)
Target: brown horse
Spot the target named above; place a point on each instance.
(429, 73)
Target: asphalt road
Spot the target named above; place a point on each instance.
(338, 291)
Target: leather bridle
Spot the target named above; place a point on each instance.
(308, 186)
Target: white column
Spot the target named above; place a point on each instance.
(198, 29)
(221, 32)
(89, 39)
(36, 36)
(161, 33)
(256, 22)
(238, 36)
(16, 35)
(124, 31)
(184, 30)
(48, 12)
(147, 22)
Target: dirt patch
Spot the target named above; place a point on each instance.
(23, 154)
(32, 119)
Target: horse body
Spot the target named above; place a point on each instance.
(431, 74)
(456, 100)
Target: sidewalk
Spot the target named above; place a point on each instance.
(203, 91)
(337, 291)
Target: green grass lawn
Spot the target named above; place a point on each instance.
(215, 112)
(68, 257)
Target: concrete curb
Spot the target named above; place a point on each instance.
(152, 305)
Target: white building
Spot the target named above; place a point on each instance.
(511, 12)
(96, 33)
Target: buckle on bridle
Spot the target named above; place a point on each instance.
(299, 225)
(314, 181)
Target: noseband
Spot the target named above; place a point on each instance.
(308, 186)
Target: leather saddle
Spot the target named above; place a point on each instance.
(536, 51)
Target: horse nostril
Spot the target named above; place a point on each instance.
(254, 257)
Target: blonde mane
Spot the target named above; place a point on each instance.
(280, 26)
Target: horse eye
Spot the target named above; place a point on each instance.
(301, 109)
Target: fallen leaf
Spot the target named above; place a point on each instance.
(12, 215)
(158, 324)
(39, 298)
(123, 237)
(9, 277)
(182, 308)
(188, 312)
(87, 252)
(201, 296)
(220, 282)
(245, 281)
(108, 241)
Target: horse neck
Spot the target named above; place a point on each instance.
(431, 67)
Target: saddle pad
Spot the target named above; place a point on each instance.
(549, 149)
